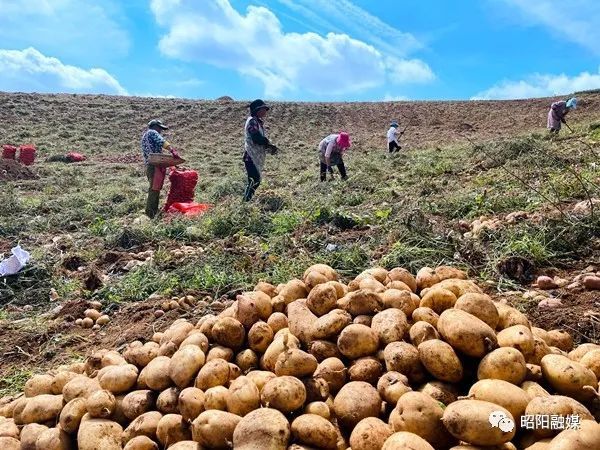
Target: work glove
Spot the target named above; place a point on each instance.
(273, 149)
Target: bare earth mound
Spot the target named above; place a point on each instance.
(11, 170)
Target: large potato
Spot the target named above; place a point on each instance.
(587, 437)
(260, 336)
(591, 360)
(318, 408)
(322, 299)
(560, 339)
(403, 275)
(8, 428)
(391, 386)
(243, 396)
(228, 332)
(30, 434)
(420, 414)
(71, 414)
(167, 401)
(361, 302)
(284, 393)
(370, 434)
(390, 325)
(425, 315)
(331, 324)
(10, 443)
(322, 350)
(53, 439)
(540, 349)
(185, 365)
(260, 377)
(263, 428)
(95, 434)
(252, 307)
(293, 290)
(216, 398)
(517, 336)
(311, 429)
(276, 321)
(214, 429)
(356, 401)
(533, 389)
(404, 358)
(214, 373)
(400, 299)
(555, 405)
(282, 341)
(358, 340)
(190, 403)
(581, 350)
(466, 333)
(144, 425)
(502, 393)
(156, 373)
(440, 360)
(366, 369)
(505, 363)
(569, 377)
(296, 362)
(265, 287)
(438, 299)
(138, 402)
(177, 332)
(404, 440)
(469, 421)
(101, 404)
(422, 331)
(80, 386)
(426, 278)
(60, 379)
(118, 379)
(42, 408)
(38, 385)
(509, 316)
(172, 429)
(141, 356)
(481, 306)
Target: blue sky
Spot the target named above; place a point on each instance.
(318, 50)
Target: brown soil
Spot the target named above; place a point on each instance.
(11, 170)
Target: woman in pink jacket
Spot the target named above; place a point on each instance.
(558, 112)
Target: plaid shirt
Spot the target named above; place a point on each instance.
(152, 142)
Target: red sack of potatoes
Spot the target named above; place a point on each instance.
(27, 154)
(9, 152)
(183, 184)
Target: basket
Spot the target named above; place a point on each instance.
(163, 160)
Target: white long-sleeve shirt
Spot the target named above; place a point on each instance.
(392, 135)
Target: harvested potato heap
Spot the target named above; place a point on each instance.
(388, 361)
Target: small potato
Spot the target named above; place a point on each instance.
(186, 445)
(284, 393)
(214, 429)
(293, 290)
(80, 386)
(533, 389)
(144, 425)
(8, 428)
(101, 404)
(334, 372)
(29, 436)
(505, 363)
(282, 341)
(243, 396)
(358, 340)
(141, 443)
(252, 307)
(60, 379)
(311, 429)
(295, 362)
(228, 332)
(10, 443)
(440, 391)
(207, 325)
(141, 356)
(481, 306)
(190, 403)
(214, 373)
(426, 315)
(172, 429)
(370, 434)
(322, 299)
(216, 398)
(438, 299)
(196, 338)
(354, 402)
(469, 421)
(265, 287)
(360, 302)
(220, 352)
(540, 349)
(367, 369)
(509, 316)
(264, 428)
(391, 386)
(440, 360)
(390, 325)
(400, 299)
(502, 393)
(167, 401)
(406, 440)
(260, 337)
(317, 389)
(318, 408)
(404, 358)
(277, 321)
(185, 365)
(517, 336)
(363, 320)
(466, 333)
(426, 278)
(246, 360)
(137, 403)
(569, 377)
(92, 314)
(534, 372)
(591, 360)
(560, 339)
(330, 325)
(322, 350)
(422, 331)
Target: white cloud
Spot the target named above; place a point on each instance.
(394, 98)
(30, 71)
(541, 85)
(575, 20)
(84, 29)
(254, 44)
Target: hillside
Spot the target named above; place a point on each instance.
(463, 160)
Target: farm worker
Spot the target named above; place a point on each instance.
(154, 142)
(558, 112)
(256, 146)
(331, 151)
(392, 138)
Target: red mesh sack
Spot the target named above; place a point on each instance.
(27, 154)
(9, 152)
(183, 184)
(189, 209)
(75, 157)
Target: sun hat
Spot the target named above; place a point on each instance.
(572, 103)
(343, 140)
(157, 123)
(257, 105)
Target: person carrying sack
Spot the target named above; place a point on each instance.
(331, 151)
(392, 138)
(256, 146)
(558, 112)
(154, 142)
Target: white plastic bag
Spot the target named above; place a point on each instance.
(16, 262)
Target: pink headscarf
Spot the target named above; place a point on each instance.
(343, 140)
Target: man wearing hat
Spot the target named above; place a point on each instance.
(154, 142)
(256, 146)
(558, 112)
(331, 150)
(392, 138)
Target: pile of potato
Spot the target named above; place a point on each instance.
(92, 318)
(388, 361)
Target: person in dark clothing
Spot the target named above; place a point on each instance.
(256, 146)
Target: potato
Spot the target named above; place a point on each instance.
(260, 377)
(422, 331)
(370, 434)
(505, 363)
(295, 362)
(509, 316)
(278, 304)
(38, 385)
(282, 341)
(137, 403)
(555, 405)
(207, 325)
(293, 290)
(317, 389)
(404, 358)
(366, 369)
(322, 350)
(190, 403)
(314, 279)
(426, 278)
(318, 408)
(533, 389)
(263, 428)
(247, 360)
(9, 443)
(361, 302)
(42, 408)
(220, 352)
(587, 437)
(440, 360)
(502, 393)
(333, 371)
(265, 287)
(97, 434)
(80, 386)
(311, 429)
(569, 377)
(276, 321)
(284, 393)
(440, 391)
(540, 349)
(143, 425)
(172, 429)
(354, 402)
(517, 336)
(480, 306)
(252, 307)
(448, 272)
(214, 429)
(185, 365)
(141, 356)
(177, 332)
(60, 380)
(438, 299)
(591, 360)
(101, 404)
(156, 373)
(469, 421)
(358, 340)
(322, 299)
(391, 386)
(403, 275)
(118, 379)
(196, 338)
(167, 401)
(330, 325)
(390, 325)
(459, 287)
(466, 333)
(8, 428)
(186, 445)
(260, 337)
(534, 372)
(18, 409)
(405, 440)
(167, 349)
(363, 320)
(29, 436)
(214, 373)
(400, 299)
(243, 396)
(141, 443)
(53, 439)
(216, 398)
(426, 315)
(228, 332)
(560, 339)
(581, 350)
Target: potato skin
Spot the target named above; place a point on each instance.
(94, 434)
(311, 429)
(440, 360)
(406, 440)
(370, 434)
(422, 331)
(358, 340)
(390, 325)
(481, 306)
(284, 393)
(505, 363)
(404, 358)
(214, 429)
(466, 333)
(262, 428)
(502, 393)
(355, 401)
(569, 377)
(243, 396)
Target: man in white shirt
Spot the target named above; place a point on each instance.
(392, 137)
